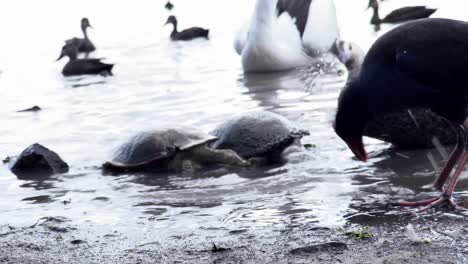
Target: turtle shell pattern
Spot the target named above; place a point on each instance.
(256, 134)
(149, 146)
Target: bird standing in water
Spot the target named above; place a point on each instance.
(418, 64)
(415, 128)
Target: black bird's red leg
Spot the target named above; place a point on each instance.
(446, 197)
(452, 161)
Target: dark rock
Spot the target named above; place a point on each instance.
(218, 249)
(38, 161)
(239, 231)
(32, 109)
(322, 247)
(38, 199)
(101, 198)
(58, 229)
(6, 160)
(77, 242)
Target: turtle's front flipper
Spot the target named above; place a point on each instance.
(223, 156)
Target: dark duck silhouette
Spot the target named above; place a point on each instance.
(419, 64)
(169, 5)
(406, 129)
(399, 15)
(186, 34)
(77, 66)
(83, 44)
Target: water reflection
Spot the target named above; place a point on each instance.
(397, 175)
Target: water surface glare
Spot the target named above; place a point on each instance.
(198, 83)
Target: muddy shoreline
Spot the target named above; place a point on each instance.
(443, 239)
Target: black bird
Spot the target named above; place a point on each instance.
(186, 34)
(77, 66)
(169, 5)
(418, 64)
(399, 15)
(408, 128)
(83, 44)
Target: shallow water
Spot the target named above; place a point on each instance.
(197, 83)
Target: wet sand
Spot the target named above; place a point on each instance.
(442, 240)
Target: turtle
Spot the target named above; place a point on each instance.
(260, 134)
(180, 149)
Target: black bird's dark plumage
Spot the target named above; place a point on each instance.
(422, 63)
(77, 66)
(419, 64)
(186, 34)
(400, 15)
(298, 9)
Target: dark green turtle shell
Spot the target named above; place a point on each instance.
(147, 147)
(256, 134)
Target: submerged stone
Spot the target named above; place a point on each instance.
(31, 109)
(38, 161)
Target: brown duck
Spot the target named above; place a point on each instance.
(77, 66)
(83, 44)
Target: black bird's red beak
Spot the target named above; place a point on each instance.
(357, 147)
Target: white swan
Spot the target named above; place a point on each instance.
(273, 43)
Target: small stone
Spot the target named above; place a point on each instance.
(218, 249)
(6, 160)
(238, 231)
(38, 161)
(322, 247)
(31, 109)
(77, 242)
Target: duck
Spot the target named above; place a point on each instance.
(83, 44)
(421, 63)
(283, 35)
(77, 66)
(169, 5)
(186, 34)
(416, 128)
(399, 15)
